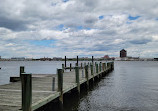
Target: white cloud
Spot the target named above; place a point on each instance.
(155, 37)
(82, 33)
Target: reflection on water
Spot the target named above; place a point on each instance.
(132, 86)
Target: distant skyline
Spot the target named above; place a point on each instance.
(58, 28)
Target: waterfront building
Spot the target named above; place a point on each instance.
(123, 53)
(57, 58)
(18, 58)
(106, 57)
(45, 59)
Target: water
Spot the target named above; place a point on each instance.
(132, 86)
(11, 68)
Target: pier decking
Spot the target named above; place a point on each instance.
(43, 90)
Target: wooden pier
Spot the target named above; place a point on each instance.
(34, 91)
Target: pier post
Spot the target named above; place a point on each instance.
(26, 83)
(77, 79)
(77, 60)
(84, 64)
(86, 73)
(22, 70)
(92, 73)
(103, 67)
(92, 59)
(65, 61)
(113, 65)
(110, 66)
(91, 69)
(100, 67)
(60, 85)
(70, 66)
(82, 72)
(81, 65)
(95, 63)
(76, 64)
(53, 83)
(97, 68)
(106, 67)
(94, 68)
(63, 67)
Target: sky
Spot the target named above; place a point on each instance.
(58, 28)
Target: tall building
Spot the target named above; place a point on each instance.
(123, 53)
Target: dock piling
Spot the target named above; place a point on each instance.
(86, 73)
(53, 83)
(70, 66)
(100, 67)
(65, 61)
(82, 73)
(63, 67)
(22, 70)
(77, 60)
(97, 68)
(60, 85)
(91, 69)
(26, 83)
(92, 73)
(77, 78)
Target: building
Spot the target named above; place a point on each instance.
(123, 53)
(18, 58)
(57, 58)
(45, 59)
(106, 57)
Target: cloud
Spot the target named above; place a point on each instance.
(78, 27)
(140, 41)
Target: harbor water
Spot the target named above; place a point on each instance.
(132, 86)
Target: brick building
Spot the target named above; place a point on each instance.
(123, 53)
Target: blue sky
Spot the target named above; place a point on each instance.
(133, 18)
(101, 17)
(78, 27)
(45, 43)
